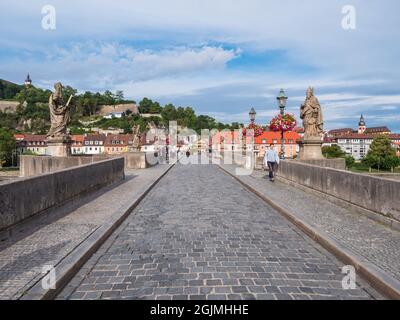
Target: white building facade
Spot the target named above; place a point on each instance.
(357, 145)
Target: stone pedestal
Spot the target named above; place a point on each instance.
(59, 147)
(310, 148)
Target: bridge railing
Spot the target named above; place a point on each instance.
(376, 194)
(24, 198)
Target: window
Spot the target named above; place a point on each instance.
(274, 141)
(291, 141)
(264, 141)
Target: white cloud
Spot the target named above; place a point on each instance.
(182, 53)
(99, 66)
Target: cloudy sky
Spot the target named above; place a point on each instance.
(220, 56)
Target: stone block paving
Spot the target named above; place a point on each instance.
(200, 235)
(374, 241)
(46, 241)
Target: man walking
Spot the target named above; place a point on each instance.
(271, 159)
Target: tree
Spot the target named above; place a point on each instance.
(33, 95)
(148, 106)
(8, 90)
(155, 108)
(108, 97)
(144, 105)
(119, 97)
(68, 91)
(350, 161)
(169, 114)
(332, 152)
(7, 146)
(381, 154)
(235, 126)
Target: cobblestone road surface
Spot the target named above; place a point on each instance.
(375, 242)
(200, 235)
(46, 241)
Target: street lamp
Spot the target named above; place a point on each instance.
(252, 115)
(282, 101)
(282, 98)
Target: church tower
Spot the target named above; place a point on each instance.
(28, 81)
(361, 125)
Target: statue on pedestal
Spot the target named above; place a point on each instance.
(311, 113)
(59, 114)
(136, 138)
(58, 141)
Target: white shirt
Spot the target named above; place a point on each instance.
(271, 156)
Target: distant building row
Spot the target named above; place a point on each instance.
(231, 140)
(357, 142)
(88, 144)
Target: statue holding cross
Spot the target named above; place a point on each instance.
(59, 113)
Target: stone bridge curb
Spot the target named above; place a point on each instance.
(71, 264)
(381, 281)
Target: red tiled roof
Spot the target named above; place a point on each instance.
(377, 129)
(270, 136)
(367, 136)
(19, 136)
(95, 137)
(228, 137)
(299, 130)
(329, 139)
(78, 137)
(118, 139)
(35, 137)
(234, 137)
(341, 131)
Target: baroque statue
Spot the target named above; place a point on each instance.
(136, 137)
(311, 113)
(59, 114)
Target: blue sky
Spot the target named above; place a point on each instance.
(220, 56)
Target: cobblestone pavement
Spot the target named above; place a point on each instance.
(376, 242)
(46, 242)
(200, 235)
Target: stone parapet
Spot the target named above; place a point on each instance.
(35, 165)
(25, 198)
(372, 193)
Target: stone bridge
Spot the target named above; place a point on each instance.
(196, 232)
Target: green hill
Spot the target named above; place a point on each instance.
(8, 90)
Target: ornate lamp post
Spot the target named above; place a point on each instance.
(252, 115)
(282, 98)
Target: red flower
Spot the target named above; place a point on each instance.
(286, 122)
(258, 130)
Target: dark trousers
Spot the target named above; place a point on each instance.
(272, 168)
